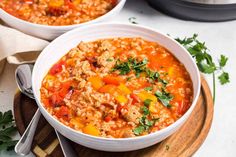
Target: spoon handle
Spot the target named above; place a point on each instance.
(67, 150)
(23, 146)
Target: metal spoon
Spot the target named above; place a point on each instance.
(23, 75)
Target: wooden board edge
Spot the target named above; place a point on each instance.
(206, 92)
(17, 112)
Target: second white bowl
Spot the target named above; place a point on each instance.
(51, 32)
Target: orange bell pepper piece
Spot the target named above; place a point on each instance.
(121, 99)
(115, 80)
(91, 130)
(111, 89)
(96, 82)
(124, 89)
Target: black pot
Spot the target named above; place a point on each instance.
(206, 10)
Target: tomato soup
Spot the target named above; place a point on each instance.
(117, 88)
(57, 12)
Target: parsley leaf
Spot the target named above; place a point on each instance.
(109, 60)
(139, 130)
(224, 78)
(223, 60)
(152, 75)
(6, 117)
(145, 111)
(148, 88)
(9, 145)
(123, 67)
(7, 128)
(164, 97)
(131, 64)
(147, 102)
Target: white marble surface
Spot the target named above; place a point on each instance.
(219, 37)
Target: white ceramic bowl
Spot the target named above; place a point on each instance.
(51, 32)
(60, 46)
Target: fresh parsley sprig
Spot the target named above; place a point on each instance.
(204, 61)
(7, 129)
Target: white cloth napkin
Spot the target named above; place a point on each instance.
(17, 47)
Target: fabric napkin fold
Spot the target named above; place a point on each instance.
(17, 47)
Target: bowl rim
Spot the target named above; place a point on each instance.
(137, 138)
(65, 27)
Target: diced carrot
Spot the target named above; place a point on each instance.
(115, 80)
(96, 82)
(91, 130)
(124, 89)
(111, 89)
(135, 98)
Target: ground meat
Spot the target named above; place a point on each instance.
(132, 114)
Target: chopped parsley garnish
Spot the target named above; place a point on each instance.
(145, 110)
(131, 64)
(152, 75)
(132, 20)
(129, 78)
(109, 60)
(144, 123)
(138, 67)
(147, 102)
(167, 147)
(204, 61)
(164, 97)
(164, 82)
(7, 128)
(148, 88)
(139, 130)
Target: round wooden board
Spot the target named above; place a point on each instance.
(185, 142)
